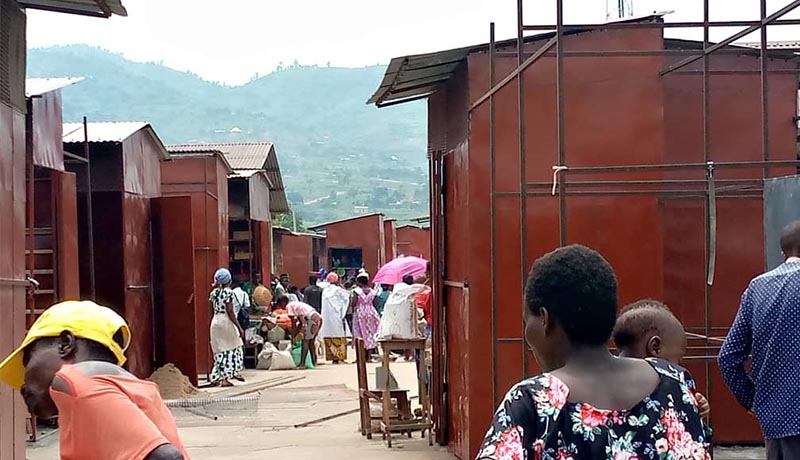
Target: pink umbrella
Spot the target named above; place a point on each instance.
(394, 271)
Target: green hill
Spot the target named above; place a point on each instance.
(335, 151)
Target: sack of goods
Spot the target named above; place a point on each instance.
(400, 316)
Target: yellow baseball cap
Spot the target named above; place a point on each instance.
(85, 319)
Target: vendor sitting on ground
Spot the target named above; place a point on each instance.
(309, 325)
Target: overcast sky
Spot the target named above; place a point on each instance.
(232, 40)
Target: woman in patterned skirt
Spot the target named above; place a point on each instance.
(365, 317)
(226, 333)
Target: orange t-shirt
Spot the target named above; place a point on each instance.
(111, 417)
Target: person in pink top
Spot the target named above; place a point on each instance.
(365, 316)
(310, 324)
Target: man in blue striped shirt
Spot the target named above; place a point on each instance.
(767, 332)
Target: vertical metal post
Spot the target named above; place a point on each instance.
(30, 241)
(492, 207)
(523, 196)
(707, 158)
(90, 230)
(764, 91)
(562, 188)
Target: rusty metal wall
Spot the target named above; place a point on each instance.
(138, 283)
(176, 319)
(294, 257)
(448, 149)
(655, 121)
(365, 233)
(66, 212)
(389, 239)
(221, 181)
(734, 130)
(258, 188)
(12, 270)
(414, 241)
(264, 249)
(47, 130)
(198, 177)
(141, 168)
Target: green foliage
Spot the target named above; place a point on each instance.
(335, 151)
(286, 220)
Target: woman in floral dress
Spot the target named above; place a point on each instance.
(589, 404)
(365, 317)
(226, 333)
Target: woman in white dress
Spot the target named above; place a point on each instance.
(335, 301)
(226, 333)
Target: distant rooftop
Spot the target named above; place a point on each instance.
(38, 86)
(246, 159)
(115, 131)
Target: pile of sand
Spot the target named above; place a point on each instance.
(172, 384)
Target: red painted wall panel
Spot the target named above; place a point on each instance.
(138, 283)
(389, 239)
(203, 179)
(12, 272)
(67, 233)
(414, 241)
(361, 232)
(295, 258)
(654, 241)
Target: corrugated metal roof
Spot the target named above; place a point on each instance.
(39, 86)
(115, 131)
(102, 8)
(409, 78)
(286, 231)
(247, 158)
(327, 224)
(202, 153)
(102, 132)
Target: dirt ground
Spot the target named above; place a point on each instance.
(267, 425)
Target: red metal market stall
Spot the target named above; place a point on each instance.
(14, 143)
(526, 157)
(202, 176)
(354, 243)
(255, 193)
(297, 254)
(52, 208)
(126, 175)
(414, 241)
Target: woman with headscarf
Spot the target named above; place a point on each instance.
(365, 316)
(226, 333)
(335, 301)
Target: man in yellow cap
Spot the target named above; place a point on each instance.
(69, 365)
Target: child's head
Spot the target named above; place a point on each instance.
(647, 329)
(66, 333)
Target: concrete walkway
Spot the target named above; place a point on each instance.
(267, 427)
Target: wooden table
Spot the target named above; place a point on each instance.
(422, 423)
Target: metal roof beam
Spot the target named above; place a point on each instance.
(533, 58)
(741, 34)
